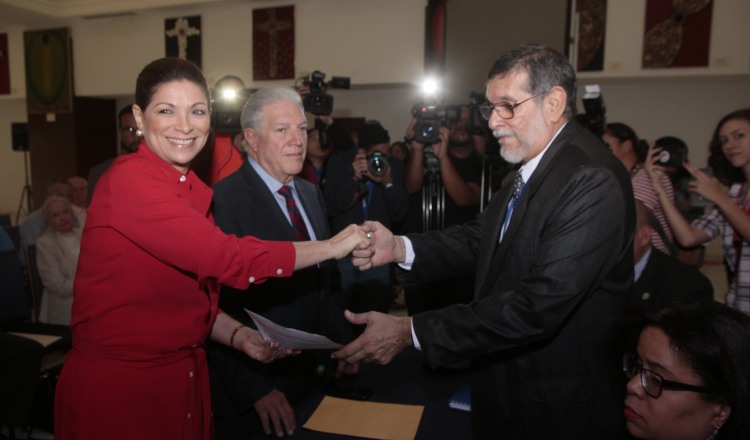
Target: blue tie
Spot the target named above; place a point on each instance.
(517, 188)
(518, 185)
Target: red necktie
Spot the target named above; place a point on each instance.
(298, 224)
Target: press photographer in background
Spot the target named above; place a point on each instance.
(326, 135)
(443, 178)
(366, 184)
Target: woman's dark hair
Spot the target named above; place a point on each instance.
(723, 170)
(714, 340)
(545, 67)
(165, 70)
(623, 132)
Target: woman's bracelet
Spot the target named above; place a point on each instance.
(234, 333)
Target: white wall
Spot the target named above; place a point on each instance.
(372, 42)
(379, 45)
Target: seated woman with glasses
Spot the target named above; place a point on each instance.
(688, 374)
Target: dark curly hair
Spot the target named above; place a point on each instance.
(714, 340)
(724, 171)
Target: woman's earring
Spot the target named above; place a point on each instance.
(139, 133)
(715, 433)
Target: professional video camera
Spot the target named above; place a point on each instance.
(596, 112)
(477, 121)
(430, 118)
(318, 102)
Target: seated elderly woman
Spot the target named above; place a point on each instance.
(57, 257)
(688, 374)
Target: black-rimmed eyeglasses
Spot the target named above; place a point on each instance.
(503, 109)
(652, 383)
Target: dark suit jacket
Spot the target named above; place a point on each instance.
(665, 280)
(308, 300)
(387, 205)
(538, 329)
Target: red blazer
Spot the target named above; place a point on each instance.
(145, 298)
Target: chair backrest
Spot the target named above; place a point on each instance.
(14, 307)
(33, 281)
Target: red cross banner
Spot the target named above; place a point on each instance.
(273, 43)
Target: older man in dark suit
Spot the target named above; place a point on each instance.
(265, 199)
(659, 278)
(553, 260)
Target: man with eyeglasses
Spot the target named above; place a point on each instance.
(130, 138)
(553, 264)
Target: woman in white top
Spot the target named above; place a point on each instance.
(57, 257)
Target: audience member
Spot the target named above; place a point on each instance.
(627, 147)
(354, 194)
(729, 156)
(688, 373)
(130, 138)
(551, 274)
(31, 229)
(660, 279)
(79, 196)
(444, 193)
(57, 258)
(20, 365)
(691, 206)
(316, 157)
(400, 151)
(147, 284)
(248, 397)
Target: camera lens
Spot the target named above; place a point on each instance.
(377, 165)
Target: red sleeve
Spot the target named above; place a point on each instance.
(160, 217)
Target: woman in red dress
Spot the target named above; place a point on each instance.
(147, 285)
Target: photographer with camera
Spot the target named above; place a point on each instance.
(326, 136)
(366, 184)
(444, 180)
(626, 146)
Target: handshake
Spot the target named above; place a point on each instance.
(370, 244)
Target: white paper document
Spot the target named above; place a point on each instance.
(289, 337)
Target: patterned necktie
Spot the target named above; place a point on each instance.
(298, 224)
(517, 188)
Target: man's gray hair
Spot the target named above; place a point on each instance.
(252, 112)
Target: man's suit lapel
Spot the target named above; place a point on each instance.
(265, 201)
(516, 221)
(493, 223)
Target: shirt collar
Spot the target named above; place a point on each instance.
(145, 151)
(273, 185)
(641, 264)
(528, 168)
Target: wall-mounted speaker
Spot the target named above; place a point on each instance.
(19, 136)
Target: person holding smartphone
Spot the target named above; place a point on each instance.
(729, 156)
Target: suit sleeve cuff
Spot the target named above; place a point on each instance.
(409, 258)
(414, 337)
